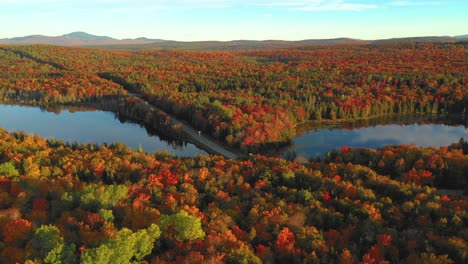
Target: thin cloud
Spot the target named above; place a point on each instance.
(282, 3)
(317, 5)
(304, 5)
(338, 7)
(133, 3)
(31, 1)
(414, 3)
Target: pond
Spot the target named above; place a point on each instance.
(423, 131)
(87, 127)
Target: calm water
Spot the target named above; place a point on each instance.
(103, 127)
(85, 127)
(319, 141)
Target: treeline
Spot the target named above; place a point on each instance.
(442, 167)
(137, 111)
(24, 79)
(81, 203)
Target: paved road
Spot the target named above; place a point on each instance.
(208, 144)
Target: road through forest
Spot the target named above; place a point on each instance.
(209, 144)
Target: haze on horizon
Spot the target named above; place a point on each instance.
(194, 20)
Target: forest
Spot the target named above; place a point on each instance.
(64, 202)
(250, 100)
(70, 203)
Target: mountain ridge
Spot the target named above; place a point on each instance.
(80, 38)
(85, 36)
(76, 38)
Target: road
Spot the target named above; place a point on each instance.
(207, 143)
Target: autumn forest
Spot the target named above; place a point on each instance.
(67, 202)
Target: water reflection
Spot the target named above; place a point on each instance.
(417, 131)
(88, 127)
(421, 135)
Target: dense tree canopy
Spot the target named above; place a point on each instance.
(99, 204)
(85, 203)
(250, 99)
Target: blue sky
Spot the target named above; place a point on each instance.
(192, 20)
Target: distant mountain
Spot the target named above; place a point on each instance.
(335, 41)
(84, 39)
(270, 44)
(418, 39)
(235, 44)
(76, 39)
(85, 36)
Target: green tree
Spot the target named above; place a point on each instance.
(8, 169)
(106, 214)
(51, 246)
(126, 247)
(186, 227)
(46, 238)
(95, 197)
(62, 254)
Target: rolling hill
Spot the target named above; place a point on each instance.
(85, 39)
(76, 39)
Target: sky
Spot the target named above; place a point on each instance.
(194, 20)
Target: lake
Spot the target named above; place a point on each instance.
(87, 127)
(104, 127)
(421, 131)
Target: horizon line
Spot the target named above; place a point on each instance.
(231, 40)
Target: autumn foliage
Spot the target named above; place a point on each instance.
(249, 99)
(91, 203)
(85, 203)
